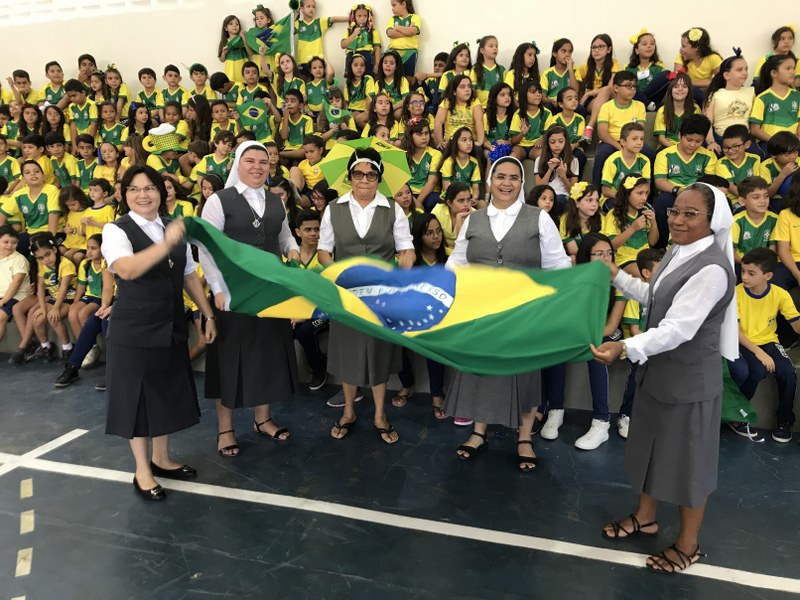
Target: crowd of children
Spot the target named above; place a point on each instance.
(65, 147)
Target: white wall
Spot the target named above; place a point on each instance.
(136, 33)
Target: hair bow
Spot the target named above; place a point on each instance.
(675, 73)
(578, 190)
(792, 27)
(413, 121)
(695, 34)
(111, 66)
(134, 105)
(630, 182)
(294, 4)
(634, 39)
(535, 47)
(737, 52)
(364, 6)
(259, 8)
(456, 44)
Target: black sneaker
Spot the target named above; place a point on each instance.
(318, 380)
(49, 354)
(100, 387)
(65, 354)
(743, 429)
(39, 353)
(68, 375)
(782, 433)
(17, 358)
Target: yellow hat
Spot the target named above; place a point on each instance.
(162, 139)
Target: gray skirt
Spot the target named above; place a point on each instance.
(672, 453)
(494, 400)
(359, 359)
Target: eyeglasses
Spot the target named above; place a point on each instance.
(148, 189)
(674, 213)
(433, 232)
(511, 178)
(630, 86)
(602, 254)
(372, 176)
(734, 148)
(599, 47)
(417, 102)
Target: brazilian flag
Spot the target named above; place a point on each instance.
(481, 320)
(277, 39)
(334, 115)
(252, 113)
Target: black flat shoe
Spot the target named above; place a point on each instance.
(156, 494)
(183, 472)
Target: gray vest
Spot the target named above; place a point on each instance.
(239, 220)
(692, 372)
(519, 247)
(379, 240)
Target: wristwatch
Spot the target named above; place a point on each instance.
(676, 189)
(624, 354)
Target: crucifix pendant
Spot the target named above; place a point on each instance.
(256, 223)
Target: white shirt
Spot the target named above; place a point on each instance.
(117, 245)
(362, 219)
(501, 220)
(213, 213)
(690, 307)
(555, 181)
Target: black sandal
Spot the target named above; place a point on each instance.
(276, 436)
(526, 460)
(387, 431)
(346, 427)
(471, 450)
(686, 560)
(228, 449)
(637, 529)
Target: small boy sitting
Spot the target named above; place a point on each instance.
(759, 303)
(737, 163)
(783, 148)
(754, 227)
(681, 165)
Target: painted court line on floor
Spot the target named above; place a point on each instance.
(706, 571)
(12, 461)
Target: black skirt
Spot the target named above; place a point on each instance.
(252, 362)
(151, 391)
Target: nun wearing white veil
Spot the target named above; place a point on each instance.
(507, 233)
(672, 453)
(253, 362)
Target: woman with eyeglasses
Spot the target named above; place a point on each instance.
(507, 233)
(363, 222)
(151, 391)
(672, 453)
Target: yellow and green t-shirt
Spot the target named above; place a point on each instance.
(423, 168)
(52, 280)
(616, 169)
(468, 173)
(406, 45)
(309, 39)
(32, 213)
(66, 170)
(553, 82)
(102, 214)
(673, 134)
(748, 235)
(680, 171)
(633, 245)
(491, 76)
(777, 113)
(91, 278)
(758, 314)
(356, 94)
(575, 126)
(82, 116)
(536, 121)
(615, 116)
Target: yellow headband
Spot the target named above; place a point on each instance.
(364, 6)
(577, 191)
(630, 182)
(634, 39)
(695, 34)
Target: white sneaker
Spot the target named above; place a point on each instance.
(623, 424)
(91, 357)
(555, 418)
(651, 107)
(597, 435)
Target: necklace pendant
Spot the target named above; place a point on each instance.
(170, 263)
(256, 223)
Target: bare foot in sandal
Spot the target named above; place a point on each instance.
(630, 526)
(400, 399)
(674, 560)
(386, 431)
(438, 410)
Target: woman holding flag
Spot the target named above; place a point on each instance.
(672, 453)
(507, 233)
(360, 223)
(253, 361)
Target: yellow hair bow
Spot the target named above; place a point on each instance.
(577, 191)
(792, 27)
(364, 6)
(634, 39)
(457, 43)
(695, 33)
(111, 66)
(630, 182)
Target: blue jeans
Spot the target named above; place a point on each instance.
(307, 333)
(747, 371)
(579, 154)
(93, 327)
(663, 202)
(431, 200)
(630, 391)
(554, 381)
(435, 374)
